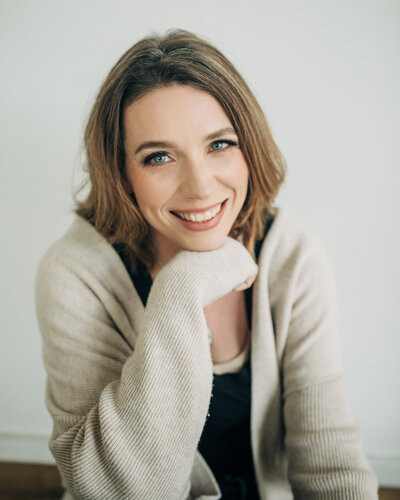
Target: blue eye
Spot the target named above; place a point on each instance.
(157, 158)
(222, 144)
(218, 145)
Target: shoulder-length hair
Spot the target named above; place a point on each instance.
(158, 61)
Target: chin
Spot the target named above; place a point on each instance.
(205, 246)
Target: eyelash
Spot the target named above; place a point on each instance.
(151, 156)
(227, 141)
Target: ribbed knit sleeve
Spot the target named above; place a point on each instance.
(324, 444)
(127, 424)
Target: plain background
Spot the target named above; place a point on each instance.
(327, 74)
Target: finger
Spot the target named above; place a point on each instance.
(246, 284)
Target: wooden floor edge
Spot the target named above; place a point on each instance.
(44, 481)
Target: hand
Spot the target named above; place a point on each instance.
(212, 274)
(246, 284)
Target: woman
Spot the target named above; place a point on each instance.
(171, 375)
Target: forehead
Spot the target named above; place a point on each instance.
(177, 109)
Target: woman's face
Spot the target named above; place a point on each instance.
(185, 168)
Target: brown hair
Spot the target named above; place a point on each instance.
(159, 61)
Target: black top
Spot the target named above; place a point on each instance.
(225, 441)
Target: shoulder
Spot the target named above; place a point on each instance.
(81, 240)
(289, 240)
(80, 258)
(288, 236)
(293, 256)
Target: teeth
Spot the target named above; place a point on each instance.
(200, 216)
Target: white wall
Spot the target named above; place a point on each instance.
(328, 76)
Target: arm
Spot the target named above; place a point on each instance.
(127, 425)
(324, 446)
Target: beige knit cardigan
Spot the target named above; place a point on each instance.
(128, 387)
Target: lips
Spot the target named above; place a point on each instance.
(200, 216)
(201, 219)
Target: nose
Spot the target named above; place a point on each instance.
(197, 179)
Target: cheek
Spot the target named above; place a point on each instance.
(141, 187)
(239, 175)
(150, 191)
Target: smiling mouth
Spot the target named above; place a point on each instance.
(200, 216)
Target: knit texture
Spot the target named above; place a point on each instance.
(129, 387)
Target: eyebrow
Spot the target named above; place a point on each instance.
(165, 144)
